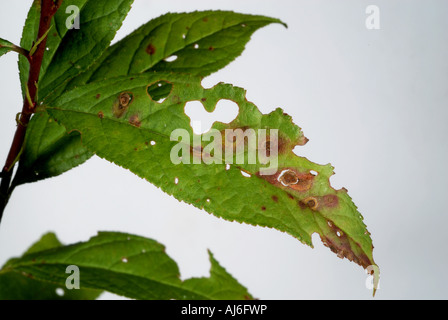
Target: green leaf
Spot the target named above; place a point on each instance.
(226, 32)
(203, 43)
(71, 51)
(15, 285)
(5, 46)
(48, 150)
(127, 265)
(119, 121)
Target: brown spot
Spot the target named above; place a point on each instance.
(121, 104)
(330, 200)
(205, 19)
(204, 99)
(341, 245)
(311, 202)
(290, 196)
(289, 177)
(211, 48)
(135, 121)
(55, 34)
(124, 99)
(263, 208)
(150, 49)
(275, 198)
(76, 156)
(101, 115)
(97, 96)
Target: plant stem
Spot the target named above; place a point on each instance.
(48, 10)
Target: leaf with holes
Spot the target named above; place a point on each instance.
(224, 34)
(198, 43)
(16, 285)
(120, 121)
(127, 265)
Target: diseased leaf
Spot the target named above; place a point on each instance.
(199, 42)
(127, 265)
(16, 285)
(119, 121)
(225, 33)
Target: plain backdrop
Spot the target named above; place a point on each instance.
(373, 104)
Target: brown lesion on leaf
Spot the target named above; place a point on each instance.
(291, 178)
(122, 103)
(330, 200)
(311, 202)
(274, 198)
(150, 49)
(317, 202)
(135, 121)
(339, 243)
(101, 115)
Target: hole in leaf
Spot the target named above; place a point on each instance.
(159, 91)
(153, 143)
(245, 174)
(60, 292)
(227, 166)
(176, 180)
(196, 46)
(171, 58)
(314, 173)
(201, 120)
(124, 260)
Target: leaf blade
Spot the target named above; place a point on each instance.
(301, 205)
(127, 265)
(18, 286)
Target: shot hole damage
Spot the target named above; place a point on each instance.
(159, 90)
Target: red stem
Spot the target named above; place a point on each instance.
(48, 10)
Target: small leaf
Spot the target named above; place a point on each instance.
(20, 286)
(127, 265)
(5, 46)
(135, 134)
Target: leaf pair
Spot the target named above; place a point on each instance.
(120, 263)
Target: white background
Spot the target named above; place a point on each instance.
(372, 102)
